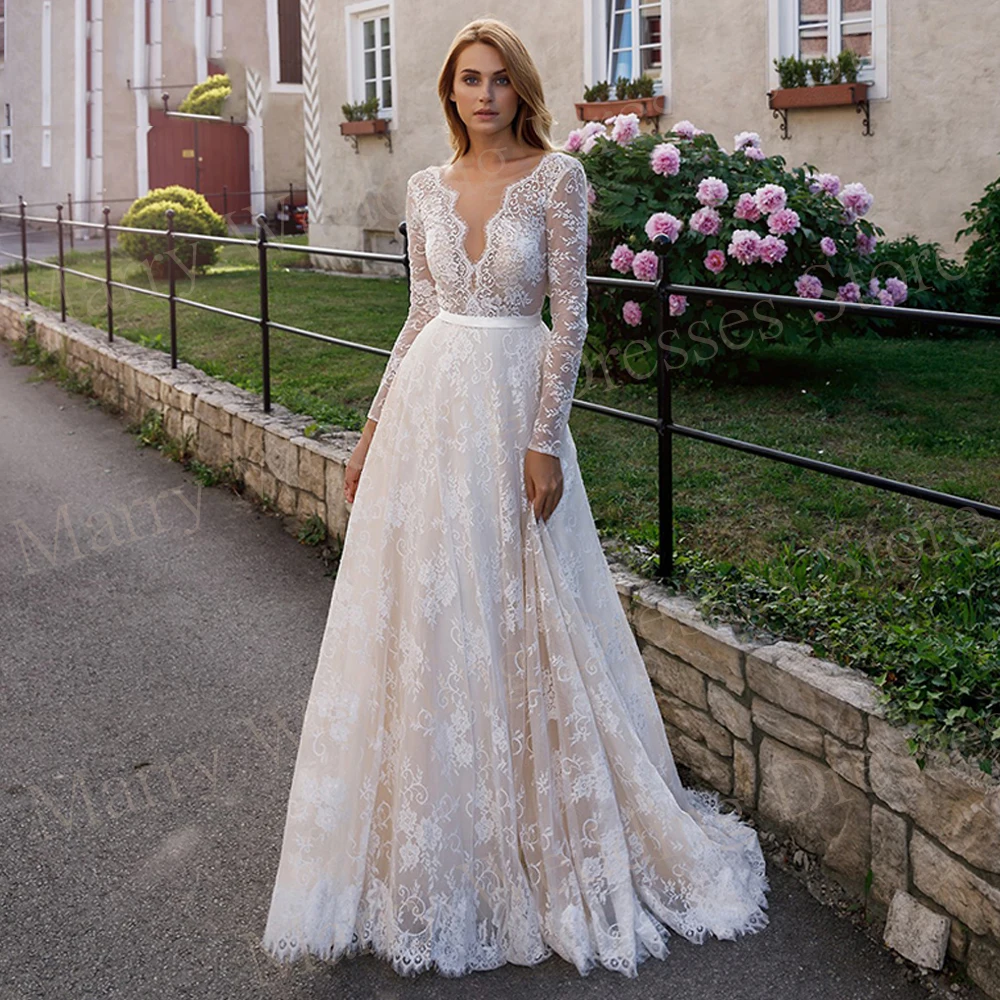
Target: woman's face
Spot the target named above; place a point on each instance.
(481, 84)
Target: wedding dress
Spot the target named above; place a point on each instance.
(483, 774)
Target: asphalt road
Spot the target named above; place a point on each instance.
(154, 670)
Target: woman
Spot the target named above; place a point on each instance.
(483, 774)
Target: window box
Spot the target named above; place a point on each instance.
(365, 126)
(643, 107)
(823, 96)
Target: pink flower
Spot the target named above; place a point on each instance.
(746, 139)
(573, 141)
(772, 250)
(830, 183)
(706, 221)
(686, 130)
(855, 198)
(783, 222)
(819, 316)
(873, 287)
(885, 297)
(865, 244)
(851, 292)
(625, 128)
(715, 261)
(828, 246)
(645, 265)
(746, 208)
(745, 246)
(898, 289)
(590, 133)
(770, 198)
(621, 258)
(754, 153)
(808, 286)
(664, 222)
(591, 194)
(678, 305)
(665, 159)
(712, 191)
(632, 313)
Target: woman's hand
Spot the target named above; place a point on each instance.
(543, 480)
(352, 472)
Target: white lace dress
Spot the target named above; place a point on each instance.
(483, 774)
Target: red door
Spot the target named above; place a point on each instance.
(210, 157)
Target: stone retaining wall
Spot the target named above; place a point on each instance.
(796, 740)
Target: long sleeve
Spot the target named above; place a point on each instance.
(566, 239)
(423, 296)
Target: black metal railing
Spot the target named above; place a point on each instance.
(663, 423)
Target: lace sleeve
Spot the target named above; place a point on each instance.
(423, 296)
(566, 242)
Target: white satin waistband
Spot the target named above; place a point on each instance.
(463, 319)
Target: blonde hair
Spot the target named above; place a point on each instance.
(533, 120)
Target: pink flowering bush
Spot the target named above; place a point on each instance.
(737, 220)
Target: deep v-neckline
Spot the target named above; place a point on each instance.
(454, 195)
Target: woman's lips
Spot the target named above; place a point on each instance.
(486, 114)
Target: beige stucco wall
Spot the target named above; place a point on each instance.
(934, 148)
(936, 135)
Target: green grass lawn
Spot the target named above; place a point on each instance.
(920, 411)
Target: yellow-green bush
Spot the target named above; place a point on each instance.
(192, 214)
(207, 97)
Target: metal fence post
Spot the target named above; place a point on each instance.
(69, 205)
(107, 273)
(265, 319)
(24, 245)
(172, 287)
(62, 264)
(664, 411)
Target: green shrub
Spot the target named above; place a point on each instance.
(207, 97)
(192, 214)
(983, 256)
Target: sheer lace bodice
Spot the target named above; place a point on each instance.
(535, 244)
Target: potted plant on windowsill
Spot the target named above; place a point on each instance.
(834, 82)
(362, 118)
(631, 97)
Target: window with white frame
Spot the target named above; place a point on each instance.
(370, 55)
(809, 29)
(284, 36)
(634, 40)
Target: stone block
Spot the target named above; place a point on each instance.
(699, 725)
(962, 892)
(675, 676)
(281, 457)
(890, 854)
(744, 774)
(788, 728)
(675, 626)
(733, 714)
(834, 697)
(824, 813)
(312, 468)
(916, 931)
(984, 965)
(958, 805)
(848, 762)
(209, 409)
(709, 767)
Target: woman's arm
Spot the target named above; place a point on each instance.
(423, 296)
(566, 236)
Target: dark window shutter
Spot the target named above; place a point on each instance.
(289, 41)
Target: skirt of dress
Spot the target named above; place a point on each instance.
(483, 774)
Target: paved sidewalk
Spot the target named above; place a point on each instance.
(157, 644)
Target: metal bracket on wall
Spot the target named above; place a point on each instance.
(781, 113)
(864, 107)
(385, 135)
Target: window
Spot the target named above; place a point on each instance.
(284, 37)
(813, 28)
(370, 55)
(635, 45)
(6, 145)
(3, 30)
(289, 41)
